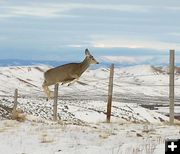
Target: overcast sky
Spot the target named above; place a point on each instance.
(114, 30)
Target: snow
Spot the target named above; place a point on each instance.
(141, 79)
(81, 127)
(33, 137)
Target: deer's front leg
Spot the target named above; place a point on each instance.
(73, 81)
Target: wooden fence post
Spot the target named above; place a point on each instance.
(110, 91)
(55, 102)
(15, 100)
(171, 87)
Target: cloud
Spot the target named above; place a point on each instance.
(139, 42)
(57, 9)
(3, 38)
(175, 34)
(42, 11)
(127, 59)
(34, 11)
(47, 26)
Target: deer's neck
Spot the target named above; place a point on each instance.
(84, 65)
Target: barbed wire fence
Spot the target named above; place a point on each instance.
(102, 91)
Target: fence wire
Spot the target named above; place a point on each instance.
(101, 91)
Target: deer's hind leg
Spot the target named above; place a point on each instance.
(47, 90)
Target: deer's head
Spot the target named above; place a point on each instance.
(90, 58)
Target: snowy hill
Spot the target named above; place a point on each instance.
(82, 126)
(133, 86)
(129, 79)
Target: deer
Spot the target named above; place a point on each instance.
(67, 73)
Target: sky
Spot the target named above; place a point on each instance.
(129, 31)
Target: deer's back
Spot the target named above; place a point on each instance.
(62, 73)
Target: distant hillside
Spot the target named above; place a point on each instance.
(165, 70)
(132, 79)
(20, 62)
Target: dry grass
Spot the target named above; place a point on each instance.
(46, 139)
(176, 123)
(18, 115)
(104, 135)
(9, 123)
(3, 130)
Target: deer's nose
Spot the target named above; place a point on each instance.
(97, 63)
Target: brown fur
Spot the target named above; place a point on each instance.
(67, 73)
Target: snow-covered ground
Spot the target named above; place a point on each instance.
(81, 126)
(37, 136)
(142, 84)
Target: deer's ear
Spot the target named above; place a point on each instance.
(87, 53)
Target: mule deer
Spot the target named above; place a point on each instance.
(68, 73)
